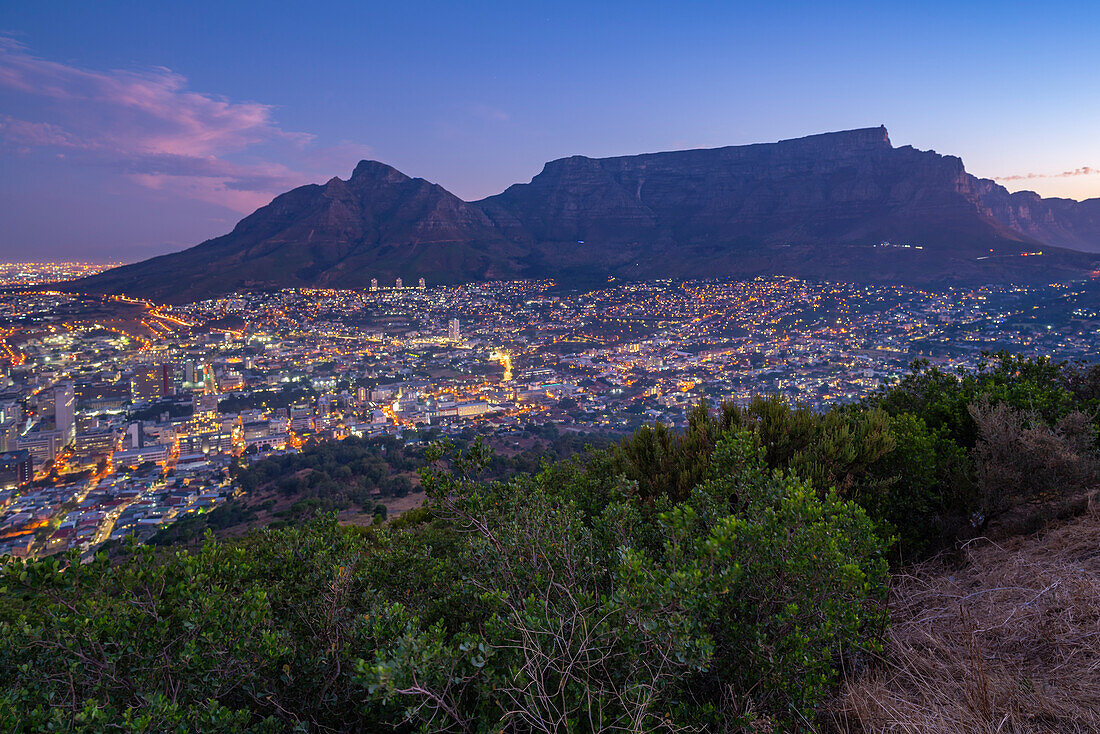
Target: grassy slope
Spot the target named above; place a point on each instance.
(1008, 642)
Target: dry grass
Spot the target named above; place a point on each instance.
(1008, 643)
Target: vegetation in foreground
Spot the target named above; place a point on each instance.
(729, 578)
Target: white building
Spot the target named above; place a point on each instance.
(65, 411)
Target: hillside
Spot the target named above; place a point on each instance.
(1003, 642)
(814, 207)
(359, 479)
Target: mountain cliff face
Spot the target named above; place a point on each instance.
(755, 207)
(816, 207)
(1058, 222)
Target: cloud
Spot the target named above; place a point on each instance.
(34, 134)
(1082, 171)
(148, 126)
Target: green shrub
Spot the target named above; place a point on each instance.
(743, 598)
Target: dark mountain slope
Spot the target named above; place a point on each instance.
(378, 223)
(813, 206)
(817, 207)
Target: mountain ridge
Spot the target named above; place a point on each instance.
(815, 207)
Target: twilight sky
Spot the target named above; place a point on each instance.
(129, 129)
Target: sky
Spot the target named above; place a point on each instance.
(130, 129)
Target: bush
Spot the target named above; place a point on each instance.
(1020, 460)
(554, 600)
(741, 599)
(912, 480)
(942, 400)
(924, 493)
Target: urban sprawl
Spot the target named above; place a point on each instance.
(119, 417)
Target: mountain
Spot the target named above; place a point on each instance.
(1059, 222)
(816, 207)
(377, 223)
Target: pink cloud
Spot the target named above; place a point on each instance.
(34, 134)
(1082, 171)
(147, 125)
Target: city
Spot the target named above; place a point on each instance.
(556, 368)
(119, 417)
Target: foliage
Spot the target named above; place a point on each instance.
(907, 456)
(174, 409)
(738, 600)
(544, 602)
(267, 399)
(924, 493)
(1020, 459)
(942, 400)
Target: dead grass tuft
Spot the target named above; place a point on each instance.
(1008, 643)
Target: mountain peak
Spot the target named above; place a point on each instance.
(368, 170)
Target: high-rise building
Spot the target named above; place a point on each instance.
(374, 284)
(16, 469)
(400, 283)
(9, 431)
(167, 380)
(42, 445)
(136, 432)
(301, 418)
(11, 410)
(148, 383)
(96, 442)
(65, 411)
(453, 330)
(421, 283)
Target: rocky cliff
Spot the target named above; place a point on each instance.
(844, 205)
(1058, 222)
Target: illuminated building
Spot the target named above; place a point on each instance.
(96, 443)
(157, 453)
(207, 442)
(205, 405)
(65, 411)
(148, 383)
(42, 445)
(301, 418)
(16, 469)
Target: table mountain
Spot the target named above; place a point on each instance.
(845, 205)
